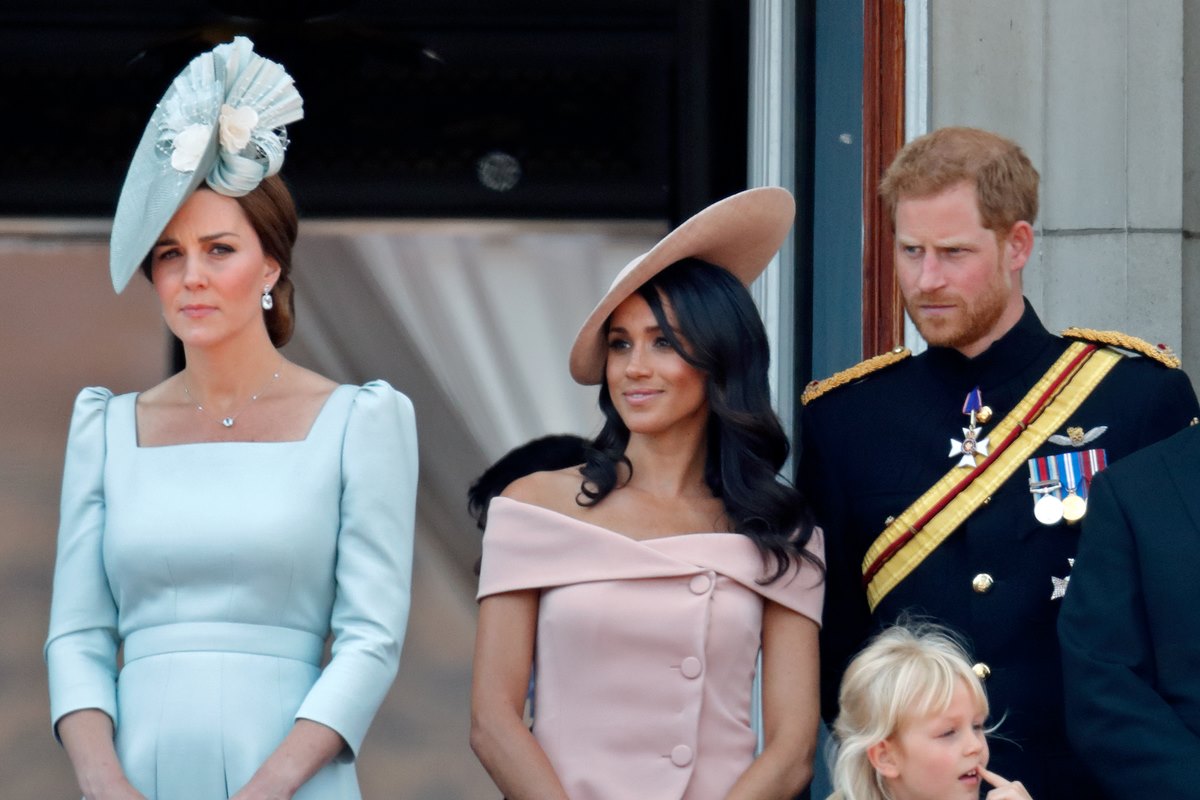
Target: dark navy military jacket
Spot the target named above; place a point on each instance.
(872, 447)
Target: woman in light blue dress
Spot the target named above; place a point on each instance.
(218, 528)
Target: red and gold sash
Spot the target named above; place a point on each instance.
(924, 525)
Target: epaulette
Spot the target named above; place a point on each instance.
(1161, 353)
(817, 388)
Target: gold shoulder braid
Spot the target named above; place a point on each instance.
(817, 388)
(1161, 353)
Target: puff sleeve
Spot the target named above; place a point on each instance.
(81, 647)
(374, 563)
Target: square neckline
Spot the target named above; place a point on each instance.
(325, 404)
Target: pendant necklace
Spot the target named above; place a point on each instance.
(228, 421)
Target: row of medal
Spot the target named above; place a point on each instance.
(1059, 484)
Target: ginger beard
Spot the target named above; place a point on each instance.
(969, 320)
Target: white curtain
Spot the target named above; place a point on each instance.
(473, 320)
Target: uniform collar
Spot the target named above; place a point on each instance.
(1005, 358)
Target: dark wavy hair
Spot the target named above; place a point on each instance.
(746, 445)
(556, 451)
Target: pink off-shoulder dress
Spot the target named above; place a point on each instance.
(646, 649)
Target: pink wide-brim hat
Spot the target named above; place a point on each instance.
(741, 233)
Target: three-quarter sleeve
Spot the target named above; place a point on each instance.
(374, 563)
(81, 648)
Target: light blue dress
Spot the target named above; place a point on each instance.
(221, 568)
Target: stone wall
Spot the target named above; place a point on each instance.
(1095, 91)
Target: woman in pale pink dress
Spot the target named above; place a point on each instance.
(643, 584)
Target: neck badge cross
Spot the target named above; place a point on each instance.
(972, 446)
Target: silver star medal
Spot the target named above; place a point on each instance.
(1060, 584)
(970, 446)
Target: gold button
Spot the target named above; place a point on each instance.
(982, 671)
(982, 583)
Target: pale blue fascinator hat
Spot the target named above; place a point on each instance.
(221, 123)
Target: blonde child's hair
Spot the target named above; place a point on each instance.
(906, 672)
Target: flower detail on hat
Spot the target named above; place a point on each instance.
(237, 126)
(189, 145)
(259, 100)
(222, 121)
(243, 99)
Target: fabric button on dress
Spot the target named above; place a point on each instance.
(681, 755)
(691, 667)
(700, 584)
(598, 585)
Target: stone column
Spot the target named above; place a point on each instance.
(772, 146)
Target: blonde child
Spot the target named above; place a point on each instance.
(911, 723)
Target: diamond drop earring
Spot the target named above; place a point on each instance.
(268, 302)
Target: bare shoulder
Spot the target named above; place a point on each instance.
(307, 382)
(168, 394)
(554, 489)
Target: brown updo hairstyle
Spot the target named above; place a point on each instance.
(272, 213)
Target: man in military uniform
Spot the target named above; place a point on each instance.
(949, 484)
(1129, 629)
